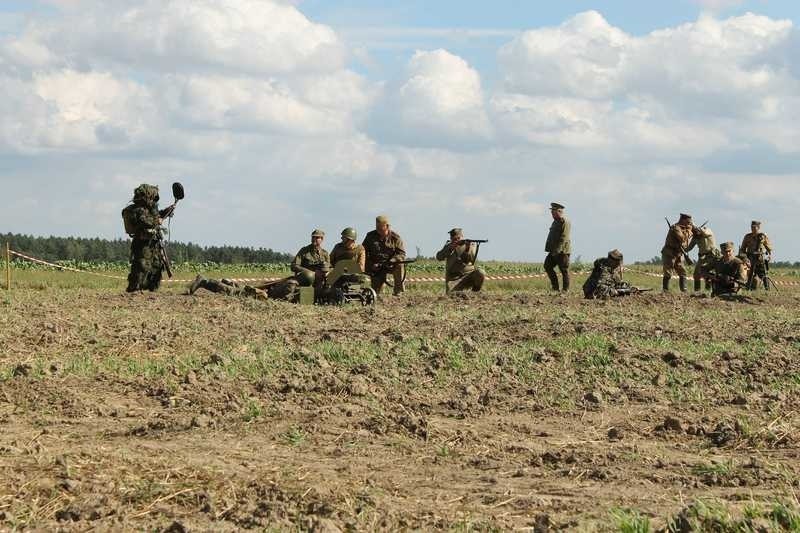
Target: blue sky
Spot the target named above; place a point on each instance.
(281, 116)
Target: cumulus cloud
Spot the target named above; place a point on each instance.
(440, 103)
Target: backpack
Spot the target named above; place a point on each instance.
(129, 219)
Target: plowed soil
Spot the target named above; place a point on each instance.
(501, 411)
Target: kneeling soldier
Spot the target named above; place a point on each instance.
(728, 272)
(312, 262)
(460, 262)
(605, 278)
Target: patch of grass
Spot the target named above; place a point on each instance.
(630, 521)
(294, 436)
(253, 410)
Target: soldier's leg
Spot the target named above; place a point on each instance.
(377, 280)
(681, 270)
(563, 266)
(698, 277)
(760, 270)
(399, 273)
(285, 289)
(215, 285)
(667, 262)
(137, 277)
(550, 268)
(478, 278)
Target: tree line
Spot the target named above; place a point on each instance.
(100, 250)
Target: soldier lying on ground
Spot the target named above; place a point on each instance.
(605, 281)
(285, 289)
(460, 262)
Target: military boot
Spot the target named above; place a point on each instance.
(682, 283)
(553, 280)
(198, 283)
(698, 284)
(665, 283)
(565, 286)
(766, 284)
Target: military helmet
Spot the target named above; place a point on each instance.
(145, 193)
(755, 223)
(349, 233)
(456, 232)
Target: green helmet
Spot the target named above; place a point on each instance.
(349, 233)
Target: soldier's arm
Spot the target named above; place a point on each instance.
(297, 262)
(566, 227)
(399, 250)
(146, 219)
(767, 245)
(743, 246)
(362, 259)
(692, 243)
(445, 252)
(470, 253)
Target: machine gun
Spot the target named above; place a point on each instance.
(683, 251)
(166, 214)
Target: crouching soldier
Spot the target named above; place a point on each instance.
(348, 249)
(312, 262)
(460, 266)
(728, 273)
(606, 277)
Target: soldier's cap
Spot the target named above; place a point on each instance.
(555, 206)
(755, 223)
(615, 254)
(726, 246)
(456, 232)
(381, 219)
(318, 233)
(684, 216)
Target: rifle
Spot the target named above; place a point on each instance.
(167, 213)
(626, 291)
(385, 267)
(683, 251)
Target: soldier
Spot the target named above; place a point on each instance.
(676, 244)
(143, 223)
(348, 249)
(606, 277)
(385, 250)
(728, 273)
(707, 255)
(460, 262)
(558, 247)
(758, 249)
(312, 262)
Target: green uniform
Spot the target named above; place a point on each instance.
(341, 252)
(558, 247)
(285, 289)
(756, 247)
(460, 266)
(380, 252)
(604, 280)
(309, 265)
(142, 224)
(707, 255)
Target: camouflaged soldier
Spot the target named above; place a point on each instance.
(728, 272)
(558, 247)
(142, 223)
(758, 249)
(460, 259)
(677, 242)
(606, 277)
(384, 250)
(312, 262)
(707, 255)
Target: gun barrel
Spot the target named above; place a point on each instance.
(479, 241)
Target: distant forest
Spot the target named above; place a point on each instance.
(80, 249)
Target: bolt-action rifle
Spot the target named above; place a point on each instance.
(628, 290)
(683, 250)
(386, 267)
(468, 242)
(166, 214)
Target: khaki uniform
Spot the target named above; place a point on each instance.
(309, 266)
(285, 289)
(357, 253)
(726, 274)
(678, 238)
(756, 247)
(558, 247)
(379, 253)
(460, 266)
(707, 256)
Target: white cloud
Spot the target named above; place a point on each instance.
(440, 103)
(515, 200)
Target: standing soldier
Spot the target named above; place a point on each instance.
(558, 247)
(707, 255)
(385, 251)
(312, 262)
(675, 246)
(758, 249)
(460, 262)
(142, 223)
(728, 272)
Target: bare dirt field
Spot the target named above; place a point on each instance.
(509, 410)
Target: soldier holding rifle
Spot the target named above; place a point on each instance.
(674, 253)
(758, 249)
(460, 255)
(386, 254)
